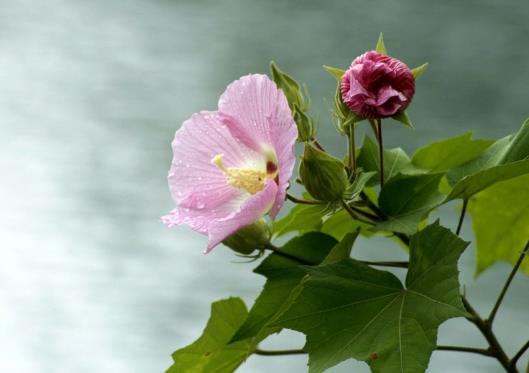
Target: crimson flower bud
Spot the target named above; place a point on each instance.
(377, 86)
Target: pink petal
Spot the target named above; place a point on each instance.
(250, 211)
(257, 113)
(199, 187)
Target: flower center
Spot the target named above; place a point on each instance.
(251, 180)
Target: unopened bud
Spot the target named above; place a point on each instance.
(323, 175)
(252, 237)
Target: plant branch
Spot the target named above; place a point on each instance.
(403, 237)
(395, 264)
(494, 346)
(317, 144)
(519, 354)
(365, 214)
(278, 251)
(490, 319)
(354, 214)
(278, 352)
(378, 123)
(480, 351)
(462, 216)
(351, 146)
(301, 201)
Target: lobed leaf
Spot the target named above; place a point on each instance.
(212, 352)
(350, 310)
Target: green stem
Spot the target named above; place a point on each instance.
(394, 264)
(318, 145)
(352, 148)
(480, 351)
(462, 216)
(278, 251)
(490, 319)
(365, 214)
(303, 201)
(354, 214)
(380, 150)
(278, 352)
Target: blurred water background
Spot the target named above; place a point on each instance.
(91, 93)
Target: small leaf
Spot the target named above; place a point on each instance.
(444, 155)
(342, 250)
(350, 310)
(419, 70)
(381, 48)
(407, 199)
(301, 218)
(395, 161)
(336, 72)
(359, 183)
(403, 118)
(519, 146)
(500, 219)
(341, 223)
(211, 352)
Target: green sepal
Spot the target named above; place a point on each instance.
(336, 72)
(403, 118)
(419, 70)
(381, 47)
(288, 85)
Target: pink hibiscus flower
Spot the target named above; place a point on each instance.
(232, 166)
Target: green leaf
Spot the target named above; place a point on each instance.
(446, 154)
(519, 146)
(211, 353)
(489, 158)
(342, 250)
(359, 183)
(500, 219)
(350, 310)
(336, 72)
(341, 223)
(487, 169)
(395, 161)
(403, 118)
(381, 48)
(283, 274)
(419, 70)
(301, 218)
(407, 199)
(482, 180)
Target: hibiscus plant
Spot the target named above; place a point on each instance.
(230, 176)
